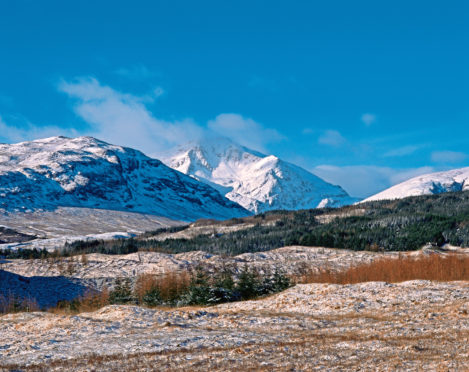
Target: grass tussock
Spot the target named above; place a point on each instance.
(437, 267)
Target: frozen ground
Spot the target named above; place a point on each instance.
(417, 325)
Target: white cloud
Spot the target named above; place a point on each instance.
(401, 151)
(364, 180)
(13, 133)
(448, 157)
(368, 118)
(331, 138)
(245, 131)
(124, 119)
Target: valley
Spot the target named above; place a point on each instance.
(111, 260)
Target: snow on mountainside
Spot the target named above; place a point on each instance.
(86, 172)
(433, 183)
(254, 180)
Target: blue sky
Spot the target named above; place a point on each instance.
(365, 93)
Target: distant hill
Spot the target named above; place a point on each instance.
(433, 183)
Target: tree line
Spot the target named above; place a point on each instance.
(397, 225)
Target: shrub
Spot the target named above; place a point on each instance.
(122, 292)
(152, 297)
(199, 290)
(248, 283)
(89, 301)
(147, 291)
(276, 283)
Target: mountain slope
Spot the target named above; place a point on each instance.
(428, 184)
(257, 182)
(85, 172)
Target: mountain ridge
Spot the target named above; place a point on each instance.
(256, 181)
(87, 172)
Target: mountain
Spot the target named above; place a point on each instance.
(85, 172)
(256, 181)
(433, 183)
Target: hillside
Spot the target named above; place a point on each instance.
(400, 225)
(86, 172)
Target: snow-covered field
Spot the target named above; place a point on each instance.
(69, 222)
(68, 277)
(58, 243)
(411, 326)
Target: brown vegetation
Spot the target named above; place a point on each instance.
(394, 270)
(169, 286)
(90, 301)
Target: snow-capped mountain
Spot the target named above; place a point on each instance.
(86, 172)
(255, 181)
(433, 183)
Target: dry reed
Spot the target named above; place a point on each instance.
(170, 285)
(449, 267)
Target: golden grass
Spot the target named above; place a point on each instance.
(436, 267)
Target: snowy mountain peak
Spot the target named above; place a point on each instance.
(256, 181)
(87, 172)
(433, 183)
